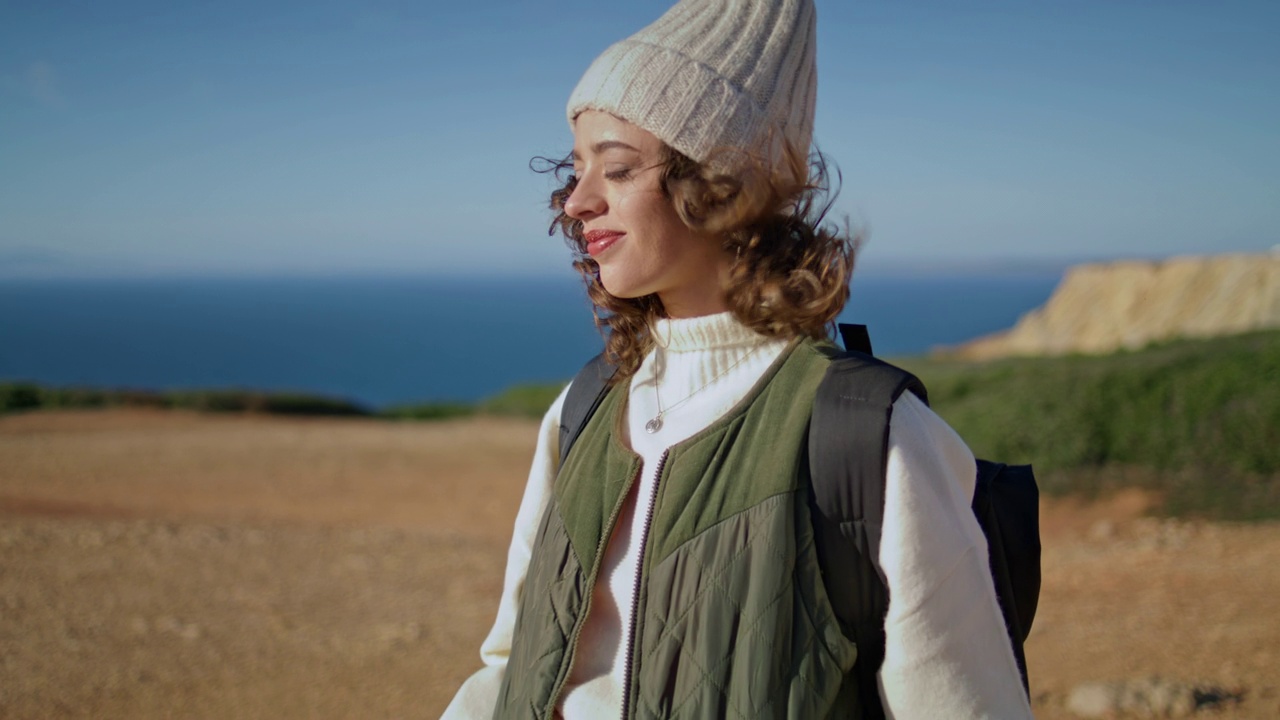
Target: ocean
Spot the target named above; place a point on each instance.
(386, 341)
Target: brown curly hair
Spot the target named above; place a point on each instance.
(790, 271)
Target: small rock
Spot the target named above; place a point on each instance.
(1159, 698)
(184, 630)
(1146, 697)
(1102, 530)
(1212, 697)
(1094, 700)
(389, 635)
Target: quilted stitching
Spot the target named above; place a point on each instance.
(733, 623)
(715, 598)
(550, 603)
(667, 633)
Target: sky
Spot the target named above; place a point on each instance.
(176, 138)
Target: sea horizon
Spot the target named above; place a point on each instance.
(381, 340)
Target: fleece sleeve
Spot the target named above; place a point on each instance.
(946, 651)
(479, 693)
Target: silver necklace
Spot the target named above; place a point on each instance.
(655, 423)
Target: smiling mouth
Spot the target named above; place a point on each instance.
(600, 240)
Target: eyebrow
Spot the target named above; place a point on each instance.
(604, 145)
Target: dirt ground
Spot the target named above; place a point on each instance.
(172, 565)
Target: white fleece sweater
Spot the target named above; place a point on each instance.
(946, 653)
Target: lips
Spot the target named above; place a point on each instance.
(600, 240)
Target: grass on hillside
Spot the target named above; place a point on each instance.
(520, 401)
(529, 401)
(1198, 421)
(19, 396)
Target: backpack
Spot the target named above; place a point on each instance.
(848, 449)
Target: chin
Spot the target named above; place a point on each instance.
(624, 295)
(620, 289)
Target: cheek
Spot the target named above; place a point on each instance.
(650, 212)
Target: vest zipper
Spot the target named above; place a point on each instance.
(635, 594)
(586, 607)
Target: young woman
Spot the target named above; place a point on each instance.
(668, 568)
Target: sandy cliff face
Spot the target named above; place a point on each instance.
(1106, 307)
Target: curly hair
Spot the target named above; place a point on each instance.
(789, 276)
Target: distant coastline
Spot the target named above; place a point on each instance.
(1104, 307)
(381, 342)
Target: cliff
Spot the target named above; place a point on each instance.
(1101, 308)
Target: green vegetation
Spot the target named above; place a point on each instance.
(428, 411)
(1196, 421)
(529, 401)
(29, 396)
(522, 400)
(519, 401)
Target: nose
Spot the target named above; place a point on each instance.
(586, 201)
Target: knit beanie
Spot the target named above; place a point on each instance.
(713, 74)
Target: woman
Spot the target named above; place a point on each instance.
(667, 569)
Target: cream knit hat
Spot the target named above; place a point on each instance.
(712, 74)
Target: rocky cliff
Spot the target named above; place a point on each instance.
(1128, 304)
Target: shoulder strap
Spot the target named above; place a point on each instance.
(855, 338)
(1006, 503)
(848, 449)
(585, 393)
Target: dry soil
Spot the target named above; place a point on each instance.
(173, 565)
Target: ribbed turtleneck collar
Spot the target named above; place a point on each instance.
(709, 332)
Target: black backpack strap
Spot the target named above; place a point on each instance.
(855, 338)
(585, 393)
(848, 449)
(1006, 503)
(848, 452)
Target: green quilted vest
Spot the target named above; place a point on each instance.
(731, 617)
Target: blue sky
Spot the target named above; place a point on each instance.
(233, 137)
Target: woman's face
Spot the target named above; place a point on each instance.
(630, 226)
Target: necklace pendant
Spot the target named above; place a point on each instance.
(653, 425)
